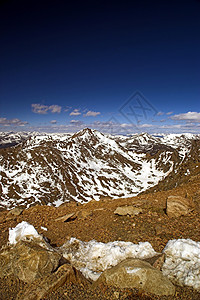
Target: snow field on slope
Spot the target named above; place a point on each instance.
(90, 177)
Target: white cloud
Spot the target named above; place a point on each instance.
(44, 109)
(190, 116)
(75, 112)
(39, 108)
(91, 113)
(76, 122)
(53, 122)
(67, 108)
(145, 125)
(110, 127)
(55, 109)
(125, 125)
(12, 122)
(160, 113)
(169, 113)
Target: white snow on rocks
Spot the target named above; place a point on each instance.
(182, 262)
(93, 257)
(23, 231)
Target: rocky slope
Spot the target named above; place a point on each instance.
(55, 168)
(98, 220)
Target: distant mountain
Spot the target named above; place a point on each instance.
(55, 168)
(12, 138)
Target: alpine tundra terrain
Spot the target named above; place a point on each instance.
(140, 240)
(56, 168)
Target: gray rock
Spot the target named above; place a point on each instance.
(28, 260)
(178, 206)
(135, 273)
(127, 210)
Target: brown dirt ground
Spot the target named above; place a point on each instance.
(99, 222)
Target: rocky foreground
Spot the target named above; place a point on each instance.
(151, 217)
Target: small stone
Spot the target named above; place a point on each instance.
(128, 210)
(15, 211)
(67, 218)
(154, 214)
(158, 229)
(83, 214)
(116, 295)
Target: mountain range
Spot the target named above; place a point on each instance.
(52, 169)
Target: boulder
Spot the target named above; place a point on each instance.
(135, 273)
(127, 210)
(178, 206)
(41, 288)
(28, 260)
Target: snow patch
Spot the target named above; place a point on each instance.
(93, 257)
(132, 270)
(44, 228)
(182, 262)
(23, 231)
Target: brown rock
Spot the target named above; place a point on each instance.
(158, 229)
(135, 273)
(127, 210)
(28, 260)
(41, 288)
(15, 211)
(83, 214)
(178, 206)
(156, 261)
(13, 214)
(67, 218)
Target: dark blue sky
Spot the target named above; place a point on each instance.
(64, 65)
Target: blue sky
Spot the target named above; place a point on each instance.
(65, 66)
